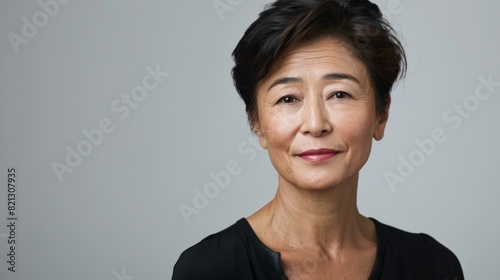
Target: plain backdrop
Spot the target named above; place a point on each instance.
(69, 70)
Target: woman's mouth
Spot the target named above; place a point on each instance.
(317, 155)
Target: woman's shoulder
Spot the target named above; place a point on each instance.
(417, 253)
(396, 239)
(233, 253)
(201, 260)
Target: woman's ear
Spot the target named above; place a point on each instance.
(258, 131)
(378, 134)
(380, 129)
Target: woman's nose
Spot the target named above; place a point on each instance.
(315, 118)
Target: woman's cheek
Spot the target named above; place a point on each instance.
(355, 128)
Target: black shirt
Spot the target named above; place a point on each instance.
(236, 253)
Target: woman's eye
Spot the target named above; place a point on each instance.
(287, 99)
(340, 94)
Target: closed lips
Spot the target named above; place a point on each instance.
(317, 154)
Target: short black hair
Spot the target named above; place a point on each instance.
(357, 24)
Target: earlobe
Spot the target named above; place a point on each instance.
(262, 139)
(378, 134)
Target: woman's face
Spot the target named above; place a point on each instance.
(317, 115)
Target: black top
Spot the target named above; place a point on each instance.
(236, 253)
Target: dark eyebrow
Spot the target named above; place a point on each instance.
(330, 76)
(340, 76)
(285, 80)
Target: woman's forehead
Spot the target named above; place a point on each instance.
(322, 57)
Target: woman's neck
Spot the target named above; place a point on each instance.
(326, 219)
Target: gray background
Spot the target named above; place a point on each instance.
(116, 215)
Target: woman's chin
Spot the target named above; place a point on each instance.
(319, 185)
(323, 183)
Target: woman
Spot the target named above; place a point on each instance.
(316, 77)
